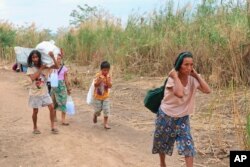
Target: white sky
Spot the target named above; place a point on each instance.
(53, 14)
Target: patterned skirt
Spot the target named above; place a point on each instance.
(169, 130)
(59, 96)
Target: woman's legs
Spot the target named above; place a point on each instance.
(189, 161)
(55, 119)
(64, 119)
(34, 118)
(162, 159)
(54, 103)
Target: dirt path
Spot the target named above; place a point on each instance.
(82, 144)
(127, 144)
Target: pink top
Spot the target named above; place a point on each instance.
(62, 72)
(179, 107)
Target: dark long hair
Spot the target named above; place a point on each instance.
(30, 63)
(180, 58)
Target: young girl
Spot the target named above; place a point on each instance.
(172, 123)
(38, 95)
(59, 94)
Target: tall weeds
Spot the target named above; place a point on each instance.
(216, 33)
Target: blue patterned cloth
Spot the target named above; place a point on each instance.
(168, 130)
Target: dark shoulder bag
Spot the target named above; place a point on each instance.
(153, 98)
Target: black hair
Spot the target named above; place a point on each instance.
(30, 63)
(105, 64)
(180, 58)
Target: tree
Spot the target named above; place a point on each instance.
(7, 37)
(83, 14)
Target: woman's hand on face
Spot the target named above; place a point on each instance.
(173, 73)
(194, 73)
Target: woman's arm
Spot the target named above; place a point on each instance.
(55, 66)
(36, 75)
(178, 88)
(67, 83)
(204, 87)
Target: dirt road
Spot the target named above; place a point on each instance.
(84, 144)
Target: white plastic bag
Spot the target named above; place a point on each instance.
(54, 79)
(90, 95)
(45, 47)
(22, 54)
(70, 107)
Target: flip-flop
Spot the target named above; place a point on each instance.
(54, 131)
(36, 132)
(65, 124)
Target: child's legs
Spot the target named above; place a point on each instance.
(97, 107)
(52, 115)
(34, 117)
(105, 121)
(47, 101)
(106, 111)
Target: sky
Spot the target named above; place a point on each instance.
(53, 14)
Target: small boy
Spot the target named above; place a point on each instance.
(101, 93)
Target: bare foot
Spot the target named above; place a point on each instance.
(107, 127)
